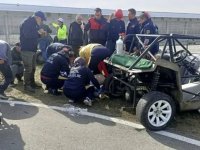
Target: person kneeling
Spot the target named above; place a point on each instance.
(79, 77)
(56, 66)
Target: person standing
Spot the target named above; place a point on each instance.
(62, 33)
(17, 66)
(6, 73)
(148, 27)
(29, 35)
(76, 32)
(98, 28)
(116, 27)
(45, 40)
(132, 28)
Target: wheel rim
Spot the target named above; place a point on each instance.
(159, 113)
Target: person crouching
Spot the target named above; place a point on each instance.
(79, 77)
(55, 68)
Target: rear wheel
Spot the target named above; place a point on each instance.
(155, 110)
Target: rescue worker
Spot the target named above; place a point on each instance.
(53, 48)
(76, 33)
(79, 77)
(6, 73)
(17, 65)
(62, 31)
(116, 27)
(94, 54)
(56, 65)
(98, 28)
(148, 27)
(132, 28)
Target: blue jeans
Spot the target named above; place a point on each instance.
(43, 44)
(6, 77)
(79, 94)
(53, 83)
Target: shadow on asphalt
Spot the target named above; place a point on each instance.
(11, 138)
(17, 112)
(169, 142)
(81, 119)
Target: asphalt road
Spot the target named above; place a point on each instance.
(34, 128)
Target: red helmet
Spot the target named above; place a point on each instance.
(118, 14)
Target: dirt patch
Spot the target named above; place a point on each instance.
(186, 123)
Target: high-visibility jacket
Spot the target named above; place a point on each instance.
(85, 52)
(62, 33)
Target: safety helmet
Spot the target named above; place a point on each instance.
(61, 20)
(79, 61)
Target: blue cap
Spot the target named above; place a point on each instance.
(40, 14)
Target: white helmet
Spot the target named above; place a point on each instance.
(61, 20)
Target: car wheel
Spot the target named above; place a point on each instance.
(155, 110)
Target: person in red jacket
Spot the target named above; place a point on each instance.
(97, 27)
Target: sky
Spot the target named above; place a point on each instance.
(183, 6)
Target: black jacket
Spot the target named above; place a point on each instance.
(75, 34)
(56, 65)
(29, 34)
(78, 78)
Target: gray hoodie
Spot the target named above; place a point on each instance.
(5, 52)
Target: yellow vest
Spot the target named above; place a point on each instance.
(85, 52)
(61, 32)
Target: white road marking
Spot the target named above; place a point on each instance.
(112, 119)
(179, 137)
(80, 111)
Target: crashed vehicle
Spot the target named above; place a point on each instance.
(157, 86)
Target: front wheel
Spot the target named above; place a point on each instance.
(155, 110)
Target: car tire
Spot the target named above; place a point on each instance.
(155, 110)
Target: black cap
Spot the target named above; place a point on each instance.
(97, 9)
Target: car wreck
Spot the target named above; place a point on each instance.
(157, 86)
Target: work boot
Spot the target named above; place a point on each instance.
(3, 96)
(28, 88)
(36, 86)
